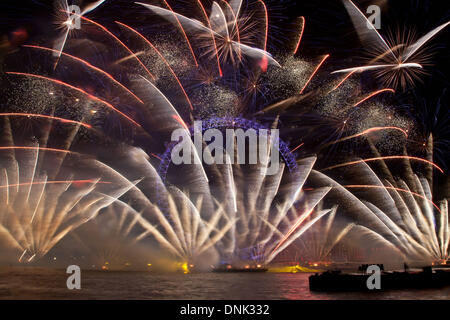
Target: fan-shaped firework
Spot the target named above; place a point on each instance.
(317, 243)
(397, 208)
(42, 197)
(125, 236)
(271, 210)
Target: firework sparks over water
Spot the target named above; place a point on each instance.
(126, 87)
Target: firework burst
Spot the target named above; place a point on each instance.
(399, 61)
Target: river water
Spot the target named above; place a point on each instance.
(39, 283)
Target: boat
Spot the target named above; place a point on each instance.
(338, 281)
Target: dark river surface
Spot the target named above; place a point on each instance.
(30, 283)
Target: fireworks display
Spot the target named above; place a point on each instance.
(88, 113)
